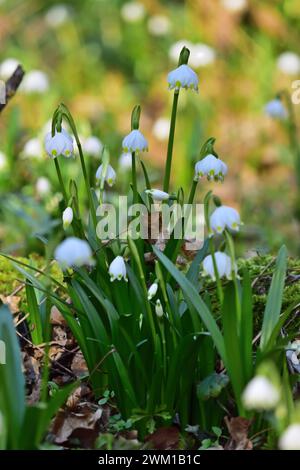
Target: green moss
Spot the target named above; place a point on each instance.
(11, 278)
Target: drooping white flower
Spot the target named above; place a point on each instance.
(234, 5)
(7, 68)
(260, 394)
(3, 160)
(161, 128)
(92, 146)
(224, 217)
(125, 161)
(43, 186)
(57, 15)
(152, 290)
(133, 11)
(157, 194)
(73, 252)
(67, 217)
(223, 264)
(275, 109)
(110, 176)
(211, 167)
(289, 63)
(32, 149)
(201, 55)
(60, 144)
(135, 142)
(35, 81)
(158, 25)
(290, 439)
(183, 77)
(158, 309)
(117, 269)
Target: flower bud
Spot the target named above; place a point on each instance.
(152, 290)
(67, 217)
(158, 309)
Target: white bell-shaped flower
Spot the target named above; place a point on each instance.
(275, 109)
(183, 77)
(92, 146)
(289, 63)
(60, 144)
(73, 252)
(224, 217)
(157, 194)
(290, 439)
(260, 394)
(223, 264)
(110, 176)
(117, 269)
(135, 142)
(152, 290)
(158, 309)
(211, 167)
(67, 217)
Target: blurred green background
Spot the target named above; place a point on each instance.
(101, 57)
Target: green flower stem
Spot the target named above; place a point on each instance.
(61, 181)
(212, 248)
(171, 143)
(134, 179)
(294, 144)
(230, 245)
(64, 112)
(86, 179)
(193, 192)
(135, 255)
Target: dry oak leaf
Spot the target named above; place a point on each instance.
(238, 429)
(164, 438)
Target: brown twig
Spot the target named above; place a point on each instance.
(12, 85)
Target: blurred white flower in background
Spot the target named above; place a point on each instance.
(73, 252)
(125, 161)
(7, 68)
(275, 109)
(159, 25)
(290, 439)
(43, 186)
(161, 128)
(260, 394)
(289, 63)
(133, 11)
(35, 81)
(201, 54)
(92, 146)
(57, 15)
(235, 5)
(3, 160)
(33, 149)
